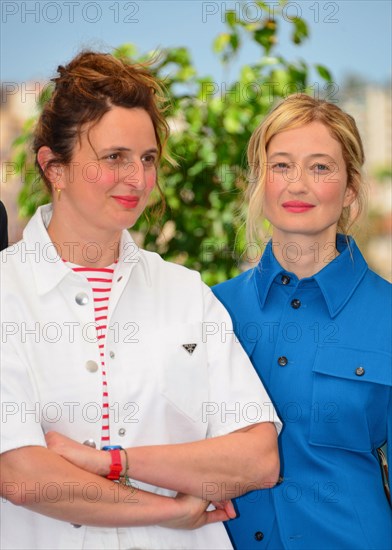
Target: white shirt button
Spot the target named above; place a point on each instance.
(122, 432)
(91, 366)
(112, 355)
(81, 298)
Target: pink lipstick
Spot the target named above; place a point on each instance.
(297, 207)
(127, 201)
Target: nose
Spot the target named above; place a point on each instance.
(134, 175)
(297, 179)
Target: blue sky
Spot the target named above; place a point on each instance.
(348, 36)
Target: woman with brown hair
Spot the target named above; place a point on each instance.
(323, 347)
(110, 346)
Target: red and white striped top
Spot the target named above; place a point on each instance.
(101, 280)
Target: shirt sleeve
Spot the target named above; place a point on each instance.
(20, 408)
(237, 397)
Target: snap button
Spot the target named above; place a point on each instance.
(360, 371)
(91, 366)
(259, 535)
(285, 279)
(282, 361)
(112, 355)
(81, 299)
(90, 443)
(122, 432)
(295, 304)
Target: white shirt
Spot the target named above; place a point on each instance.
(159, 392)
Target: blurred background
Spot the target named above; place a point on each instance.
(224, 64)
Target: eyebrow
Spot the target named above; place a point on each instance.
(313, 155)
(127, 149)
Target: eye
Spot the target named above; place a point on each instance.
(113, 156)
(319, 167)
(279, 166)
(149, 159)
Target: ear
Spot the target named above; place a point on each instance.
(53, 172)
(349, 196)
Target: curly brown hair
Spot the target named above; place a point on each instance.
(89, 86)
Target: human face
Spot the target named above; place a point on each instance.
(306, 184)
(108, 182)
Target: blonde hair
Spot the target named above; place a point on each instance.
(293, 112)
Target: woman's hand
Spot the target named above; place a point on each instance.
(227, 506)
(83, 456)
(193, 513)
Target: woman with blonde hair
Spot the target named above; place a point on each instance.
(114, 355)
(316, 323)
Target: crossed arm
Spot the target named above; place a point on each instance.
(44, 482)
(216, 469)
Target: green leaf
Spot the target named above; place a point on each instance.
(186, 73)
(234, 42)
(265, 37)
(45, 95)
(324, 73)
(231, 18)
(20, 140)
(221, 42)
(301, 30)
(126, 50)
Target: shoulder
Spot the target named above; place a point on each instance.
(169, 274)
(239, 296)
(243, 284)
(376, 287)
(371, 281)
(380, 282)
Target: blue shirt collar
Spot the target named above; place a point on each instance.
(337, 280)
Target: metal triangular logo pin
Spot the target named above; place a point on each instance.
(190, 348)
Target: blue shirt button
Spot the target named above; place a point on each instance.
(259, 535)
(295, 304)
(285, 279)
(282, 361)
(360, 371)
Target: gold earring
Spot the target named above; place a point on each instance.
(58, 191)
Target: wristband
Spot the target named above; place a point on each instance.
(116, 466)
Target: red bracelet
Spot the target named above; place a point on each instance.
(116, 466)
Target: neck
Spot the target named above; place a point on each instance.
(304, 255)
(81, 246)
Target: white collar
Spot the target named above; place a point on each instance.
(47, 266)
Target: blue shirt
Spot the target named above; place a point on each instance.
(322, 347)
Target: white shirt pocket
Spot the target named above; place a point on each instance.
(183, 370)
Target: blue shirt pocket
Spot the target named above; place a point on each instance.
(351, 389)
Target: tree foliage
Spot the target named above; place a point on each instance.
(212, 122)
